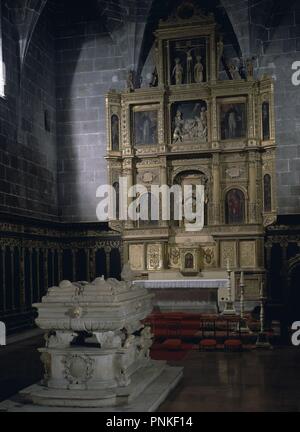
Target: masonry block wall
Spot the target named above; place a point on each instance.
(28, 173)
(89, 63)
(276, 43)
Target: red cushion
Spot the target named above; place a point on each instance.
(172, 344)
(208, 343)
(234, 343)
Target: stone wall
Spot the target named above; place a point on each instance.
(89, 63)
(276, 43)
(28, 151)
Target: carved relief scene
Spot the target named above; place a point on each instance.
(189, 120)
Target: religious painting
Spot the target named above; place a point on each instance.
(267, 193)
(145, 127)
(235, 207)
(115, 133)
(266, 121)
(233, 121)
(189, 122)
(188, 61)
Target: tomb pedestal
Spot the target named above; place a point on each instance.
(97, 350)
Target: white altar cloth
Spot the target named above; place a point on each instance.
(183, 283)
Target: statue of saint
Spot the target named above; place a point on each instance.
(146, 130)
(220, 50)
(198, 70)
(232, 124)
(234, 72)
(201, 125)
(130, 81)
(189, 62)
(250, 69)
(154, 79)
(178, 72)
(178, 122)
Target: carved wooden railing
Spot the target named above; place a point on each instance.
(35, 255)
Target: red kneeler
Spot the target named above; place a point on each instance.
(233, 345)
(208, 344)
(172, 344)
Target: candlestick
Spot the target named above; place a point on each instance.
(242, 294)
(262, 339)
(242, 279)
(229, 305)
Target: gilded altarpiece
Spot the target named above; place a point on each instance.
(194, 127)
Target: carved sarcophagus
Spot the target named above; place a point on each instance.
(97, 348)
(101, 306)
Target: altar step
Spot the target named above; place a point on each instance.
(196, 327)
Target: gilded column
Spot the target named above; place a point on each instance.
(216, 189)
(252, 187)
(212, 109)
(128, 173)
(163, 182)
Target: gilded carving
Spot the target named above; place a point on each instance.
(154, 257)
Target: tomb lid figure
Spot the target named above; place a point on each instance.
(198, 70)
(178, 72)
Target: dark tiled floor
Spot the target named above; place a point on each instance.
(216, 381)
(249, 381)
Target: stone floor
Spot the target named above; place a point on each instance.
(216, 381)
(249, 381)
